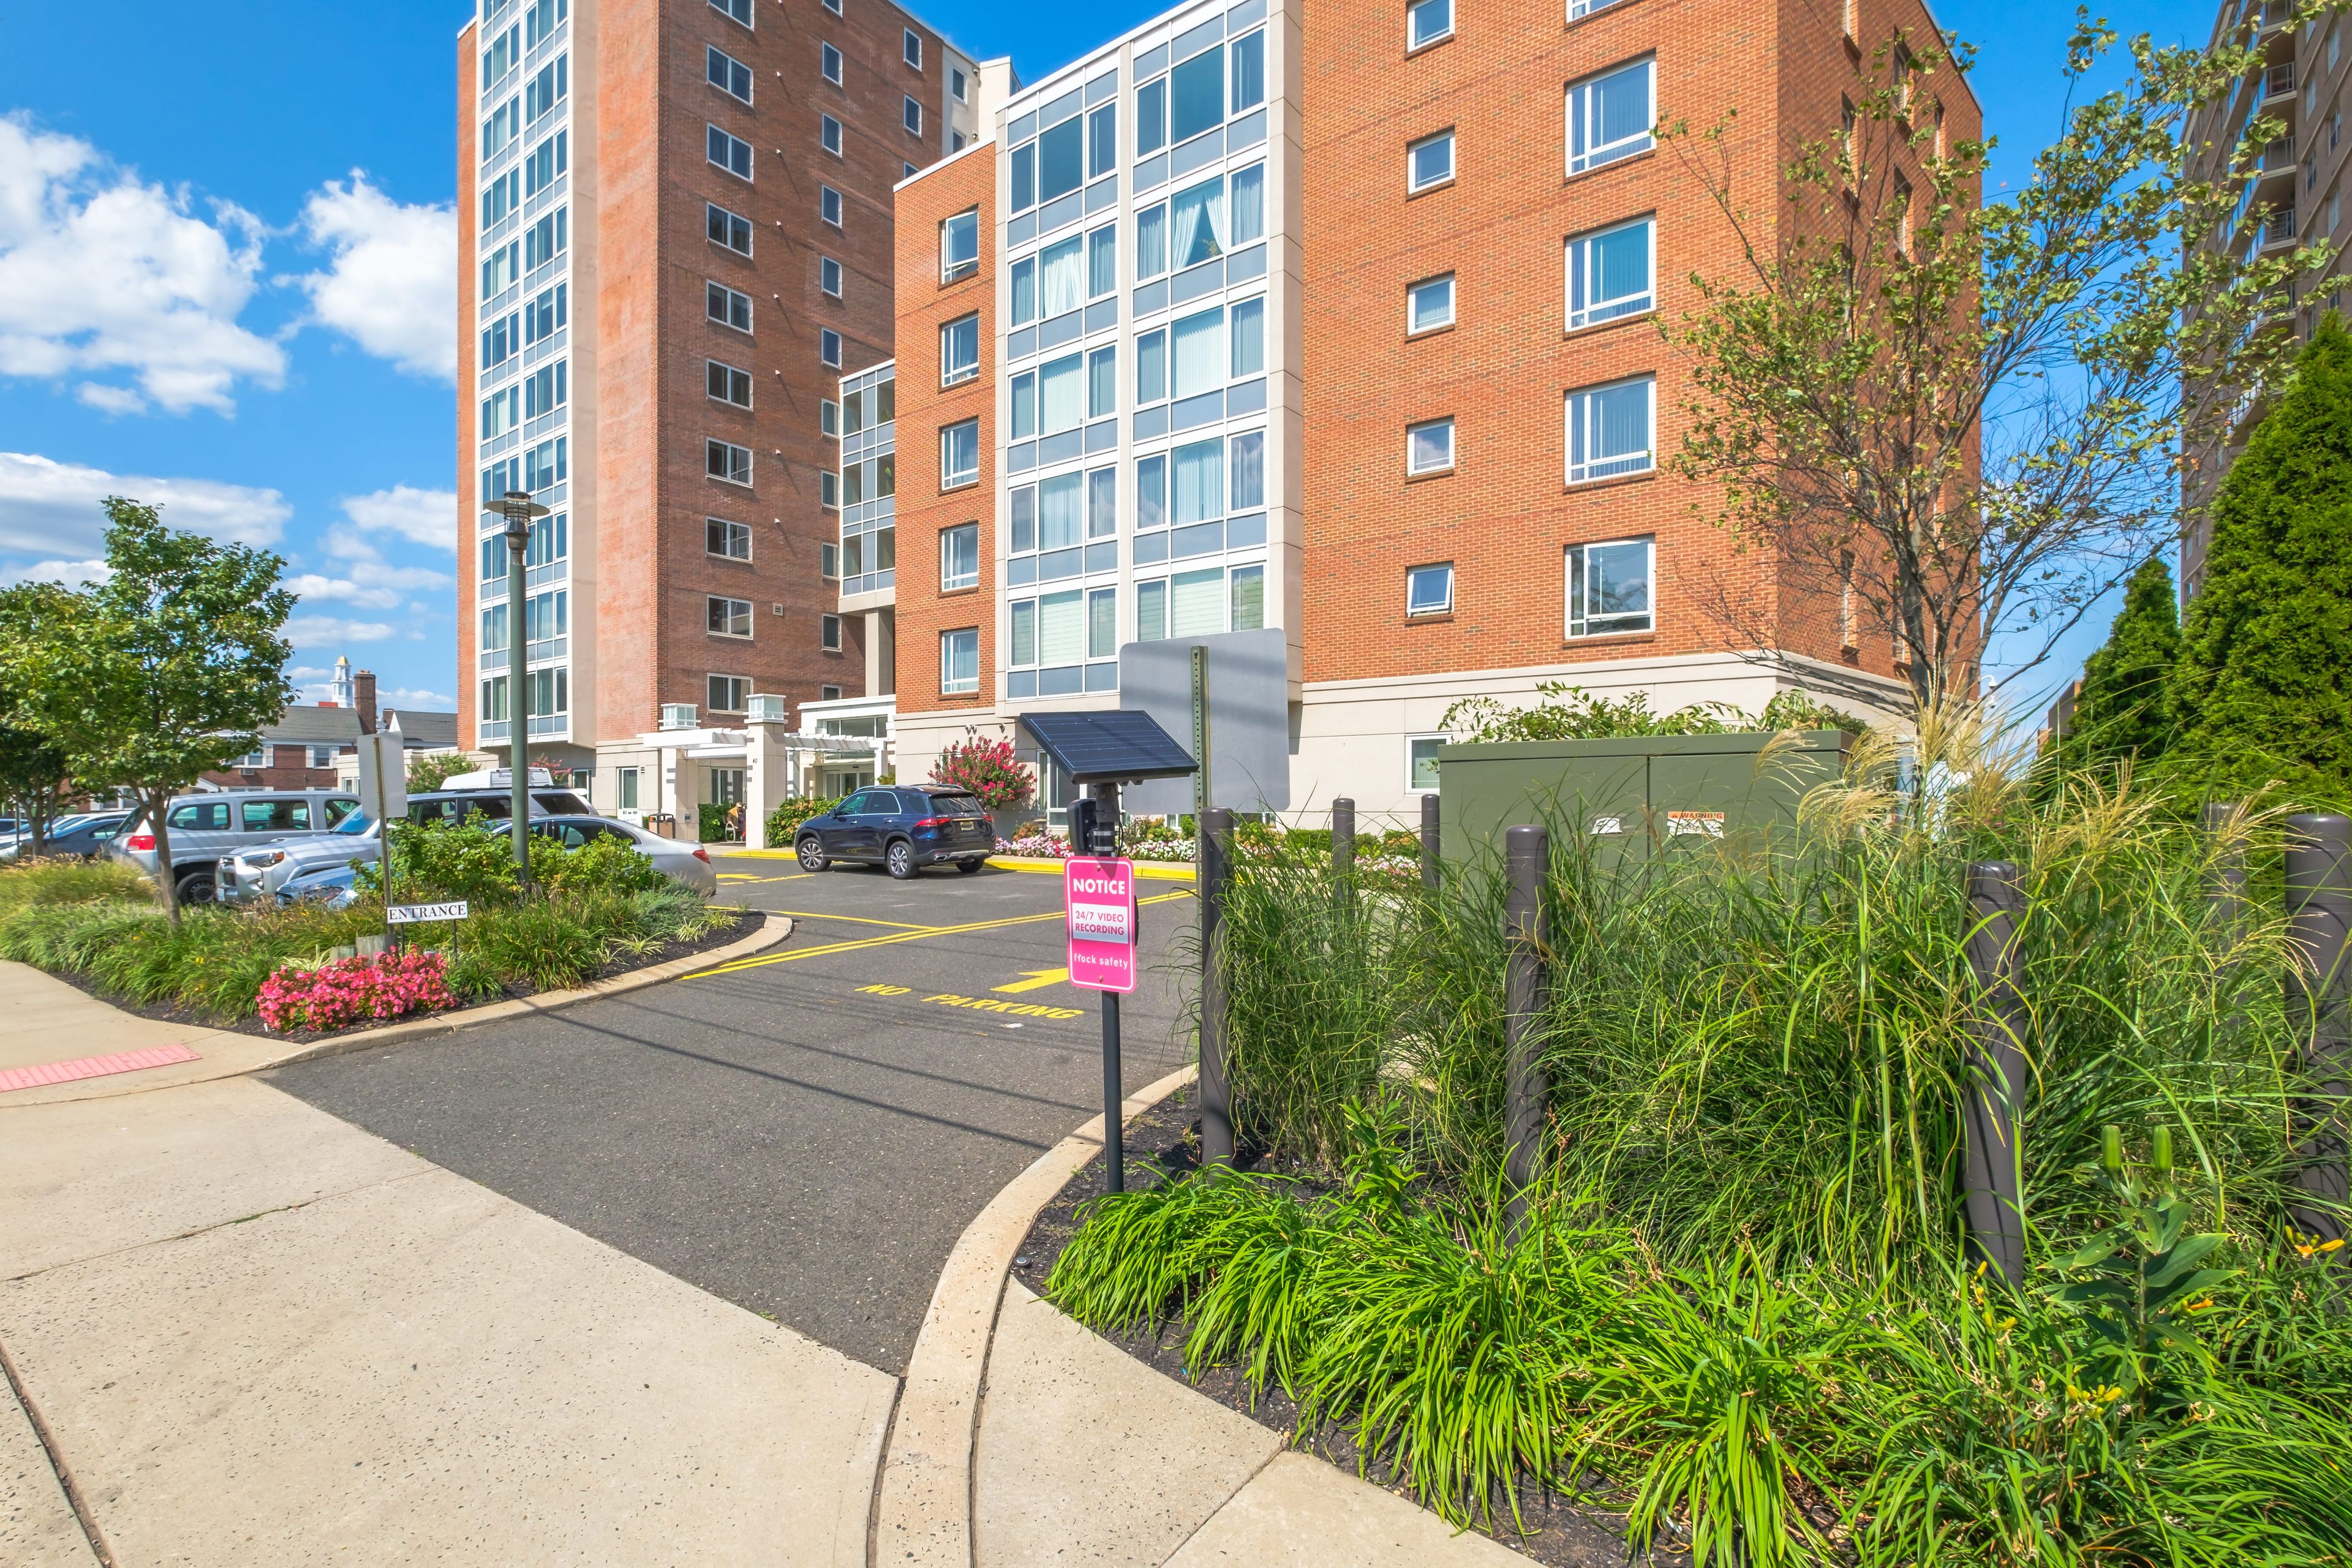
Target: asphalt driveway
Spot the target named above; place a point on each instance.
(805, 1133)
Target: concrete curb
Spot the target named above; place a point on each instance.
(1145, 870)
(923, 1500)
(772, 930)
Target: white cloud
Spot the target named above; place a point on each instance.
(48, 507)
(72, 573)
(421, 517)
(333, 631)
(102, 271)
(368, 579)
(393, 286)
(407, 697)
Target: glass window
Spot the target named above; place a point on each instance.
(910, 114)
(725, 306)
(1025, 177)
(1198, 222)
(1199, 353)
(1102, 623)
(1429, 304)
(828, 416)
(731, 154)
(1151, 116)
(960, 454)
(1151, 492)
(1429, 21)
(726, 461)
(1608, 588)
(282, 816)
(1102, 262)
(1249, 203)
(731, 539)
(1061, 394)
(1429, 590)
(1151, 242)
(828, 633)
(1061, 159)
(1151, 367)
(1102, 141)
(1025, 520)
(959, 557)
(1151, 611)
(727, 74)
(1609, 430)
(1102, 381)
(1249, 71)
(1062, 277)
(1610, 273)
(1196, 603)
(1024, 405)
(1428, 447)
(1249, 338)
(960, 349)
(1430, 161)
(1420, 762)
(728, 694)
(911, 47)
(959, 660)
(1249, 598)
(828, 60)
(726, 228)
(828, 205)
(729, 618)
(1062, 627)
(1200, 481)
(1102, 503)
(1196, 95)
(1610, 117)
(828, 346)
(959, 245)
(1024, 633)
(727, 383)
(828, 276)
(1061, 517)
(1024, 290)
(1248, 480)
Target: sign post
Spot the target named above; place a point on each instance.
(384, 793)
(1099, 912)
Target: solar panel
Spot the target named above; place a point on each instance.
(1110, 744)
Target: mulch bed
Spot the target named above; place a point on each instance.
(744, 923)
(1162, 1140)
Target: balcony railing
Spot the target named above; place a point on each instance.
(2280, 228)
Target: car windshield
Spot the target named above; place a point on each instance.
(357, 822)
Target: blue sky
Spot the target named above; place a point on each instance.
(227, 280)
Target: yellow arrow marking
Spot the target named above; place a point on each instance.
(1039, 980)
(792, 955)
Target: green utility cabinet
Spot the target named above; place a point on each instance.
(1641, 796)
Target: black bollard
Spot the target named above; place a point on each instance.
(1429, 844)
(1216, 1092)
(1343, 837)
(1526, 852)
(1996, 1078)
(2319, 925)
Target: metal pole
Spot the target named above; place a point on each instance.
(1526, 852)
(1095, 830)
(2319, 927)
(1216, 1092)
(1996, 1071)
(1429, 844)
(1201, 796)
(1343, 837)
(519, 509)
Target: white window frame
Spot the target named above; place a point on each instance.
(1411, 293)
(910, 114)
(709, 209)
(1579, 105)
(1413, 612)
(734, 530)
(727, 616)
(829, 198)
(1411, 16)
(953, 375)
(828, 134)
(1418, 426)
(953, 481)
(828, 416)
(714, 137)
(1567, 589)
(712, 55)
(1412, 785)
(828, 348)
(1592, 313)
(828, 275)
(710, 693)
(711, 442)
(828, 634)
(958, 584)
(1587, 7)
(959, 85)
(828, 62)
(910, 47)
(950, 686)
(950, 269)
(1578, 405)
(1413, 182)
(735, 10)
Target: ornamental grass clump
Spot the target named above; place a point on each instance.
(355, 990)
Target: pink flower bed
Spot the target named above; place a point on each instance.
(352, 989)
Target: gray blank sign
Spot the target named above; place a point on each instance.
(1249, 717)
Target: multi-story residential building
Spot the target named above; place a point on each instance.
(2295, 184)
(677, 231)
(1344, 322)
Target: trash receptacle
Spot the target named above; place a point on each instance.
(661, 822)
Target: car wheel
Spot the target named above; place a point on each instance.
(899, 858)
(196, 890)
(967, 867)
(811, 853)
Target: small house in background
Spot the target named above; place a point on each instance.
(317, 746)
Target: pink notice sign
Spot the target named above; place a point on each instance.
(1099, 898)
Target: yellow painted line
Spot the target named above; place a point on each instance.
(1145, 870)
(758, 855)
(917, 935)
(1038, 980)
(860, 920)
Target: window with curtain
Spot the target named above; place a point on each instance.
(1609, 431)
(1023, 520)
(959, 557)
(1199, 353)
(959, 660)
(1150, 368)
(1248, 71)
(1102, 262)
(1150, 612)
(1062, 277)
(1024, 290)
(1200, 481)
(1102, 623)
(1151, 492)
(1061, 394)
(1611, 116)
(1249, 338)
(1608, 588)
(1196, 95)
(1102, 381)
(1062, 627)
(1197, 603)
(1060, 512)
(1151, 242)
(960, 454)
(1249, 205)
(1609, 274)
(1197, 218)
(1023, 639)
(1248, 477)
(1102, 503)
(1249, 598)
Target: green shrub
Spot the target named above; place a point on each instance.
(790, 813)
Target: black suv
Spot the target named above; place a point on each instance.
(901, 829)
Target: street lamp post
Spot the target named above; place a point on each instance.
(518, 510)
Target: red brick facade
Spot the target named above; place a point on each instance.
(925, 305)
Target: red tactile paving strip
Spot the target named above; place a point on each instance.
(92, 1066)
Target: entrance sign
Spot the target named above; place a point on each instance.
(1098, 896)
(419, 914)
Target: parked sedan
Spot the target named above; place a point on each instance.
(901, 830)
(84, 835)
(687, 864)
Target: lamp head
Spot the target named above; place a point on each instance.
(518, 510)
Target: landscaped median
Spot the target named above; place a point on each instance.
(294, 969)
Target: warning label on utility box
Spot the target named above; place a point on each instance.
(1708, 824)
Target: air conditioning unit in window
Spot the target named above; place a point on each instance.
(775, 609)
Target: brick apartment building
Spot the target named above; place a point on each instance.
(677, 231)
(311, 747)
(1344, 322)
